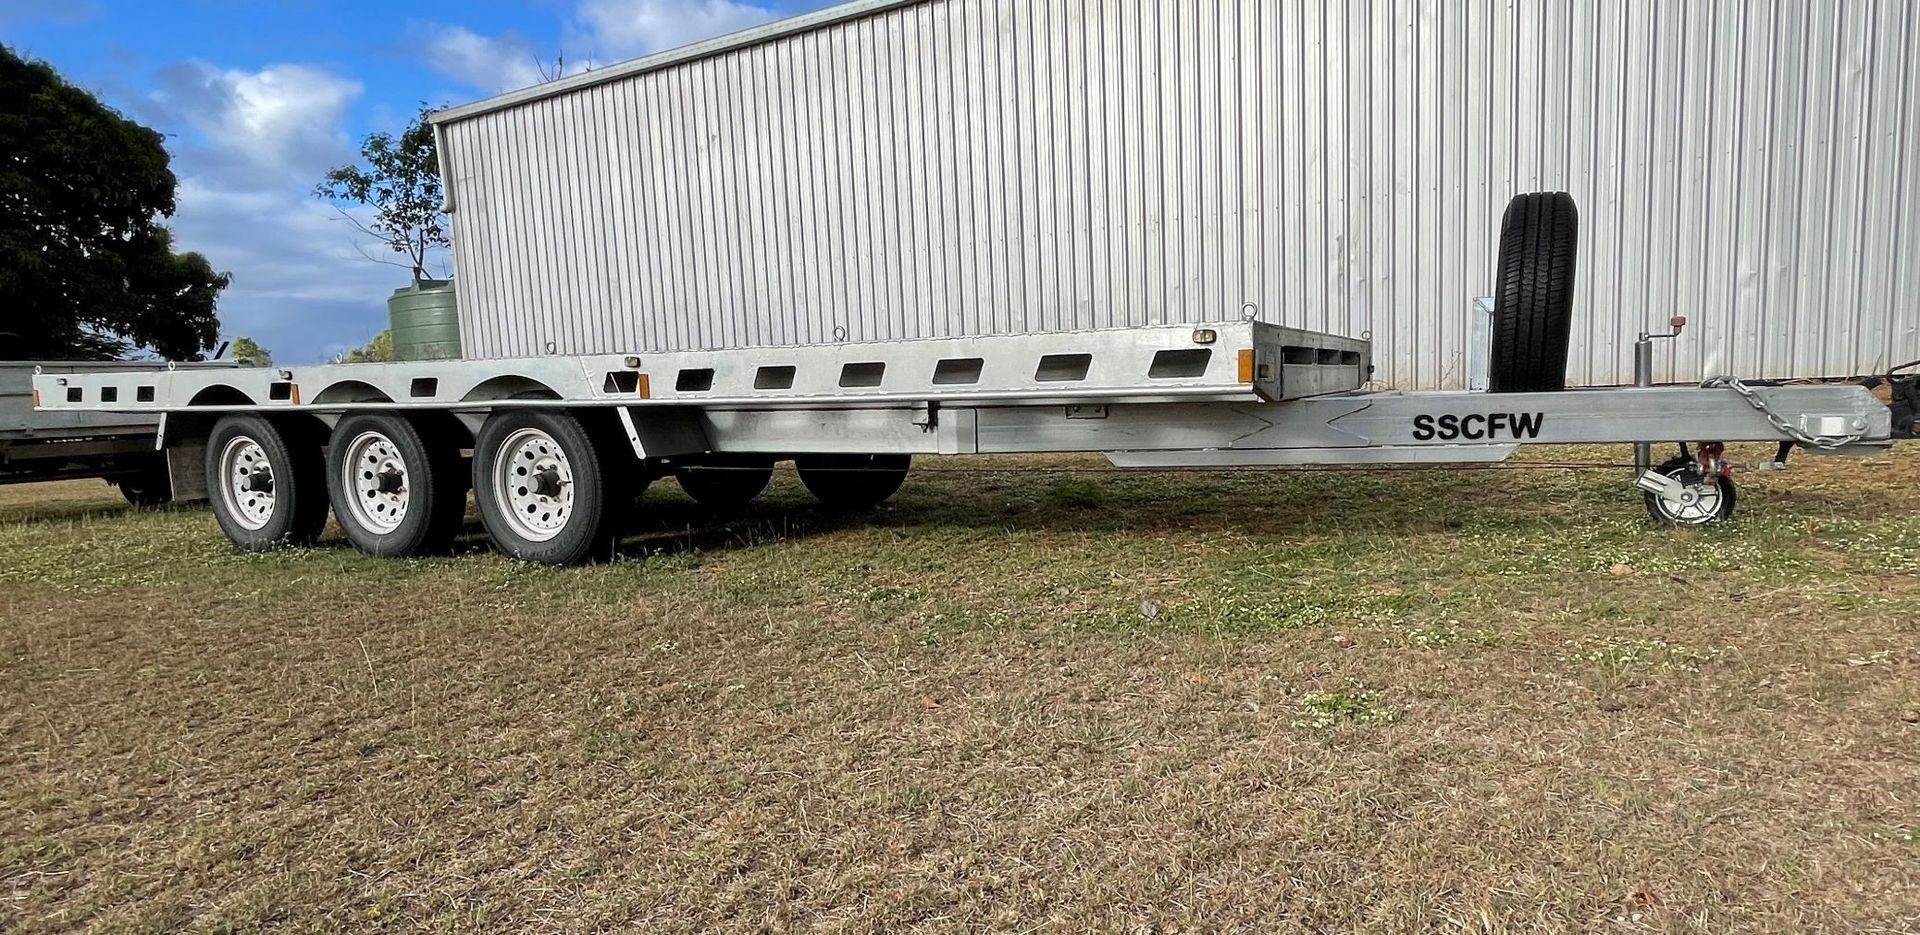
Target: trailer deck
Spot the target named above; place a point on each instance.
(1220, 393)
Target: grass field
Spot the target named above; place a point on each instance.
(1027, 695)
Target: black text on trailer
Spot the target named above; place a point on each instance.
(1477, 426)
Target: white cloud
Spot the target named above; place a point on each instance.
(490, 63)
(620, 29)
(303, 284)
(281, 120)
(597, 32)
(281, 108)
(248, 148)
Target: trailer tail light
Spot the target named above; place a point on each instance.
(646, 387)
(1246, 365)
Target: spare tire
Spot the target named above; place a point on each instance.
(1532, 309)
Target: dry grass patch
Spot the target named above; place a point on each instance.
(1049, 697)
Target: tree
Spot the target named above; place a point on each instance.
(401, 183)
(248, 350)
(377, 351)
(86, 268)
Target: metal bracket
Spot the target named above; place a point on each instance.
(1087, 412)
(664, 433)
(1660, 485)
(633, 432)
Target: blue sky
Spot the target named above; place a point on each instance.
(258, 98)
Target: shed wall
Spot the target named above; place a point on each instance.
(963, 167)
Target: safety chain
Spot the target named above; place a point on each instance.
(1824, 442)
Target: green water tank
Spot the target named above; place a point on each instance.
(425, 320)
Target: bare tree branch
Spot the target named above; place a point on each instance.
(357, 248)
(355, 222)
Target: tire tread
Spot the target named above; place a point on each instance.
(1533, 304)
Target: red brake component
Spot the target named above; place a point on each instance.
(1712, 458)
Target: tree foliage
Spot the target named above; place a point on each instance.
(86, 268)
(377, 351)
(248, 350)
(400, 181)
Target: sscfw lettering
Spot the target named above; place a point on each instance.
(1477, 426)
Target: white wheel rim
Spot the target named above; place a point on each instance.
(375, 478)
(246, 484)
(1695, 505)
(534, 482)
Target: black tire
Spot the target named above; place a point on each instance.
(853, 482)
(1727, 497)
(294, 477)
(1533, 304)
(149, 488)
(725, 484)
(431, 476)
(588, 508)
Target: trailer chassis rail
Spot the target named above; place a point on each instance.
(1439, 427)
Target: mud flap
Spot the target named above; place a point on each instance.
(1905, 403)
(187, 470)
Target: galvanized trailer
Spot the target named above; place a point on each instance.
(559, 444)
(831, 241)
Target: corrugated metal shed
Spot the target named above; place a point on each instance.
(903, 169)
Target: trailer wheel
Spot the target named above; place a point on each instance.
(395, 491)
(726, 484)
(544, 492)
(1702, 500)
(266, 484)
(149, 488)
(1533, 308)
(853, 482)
